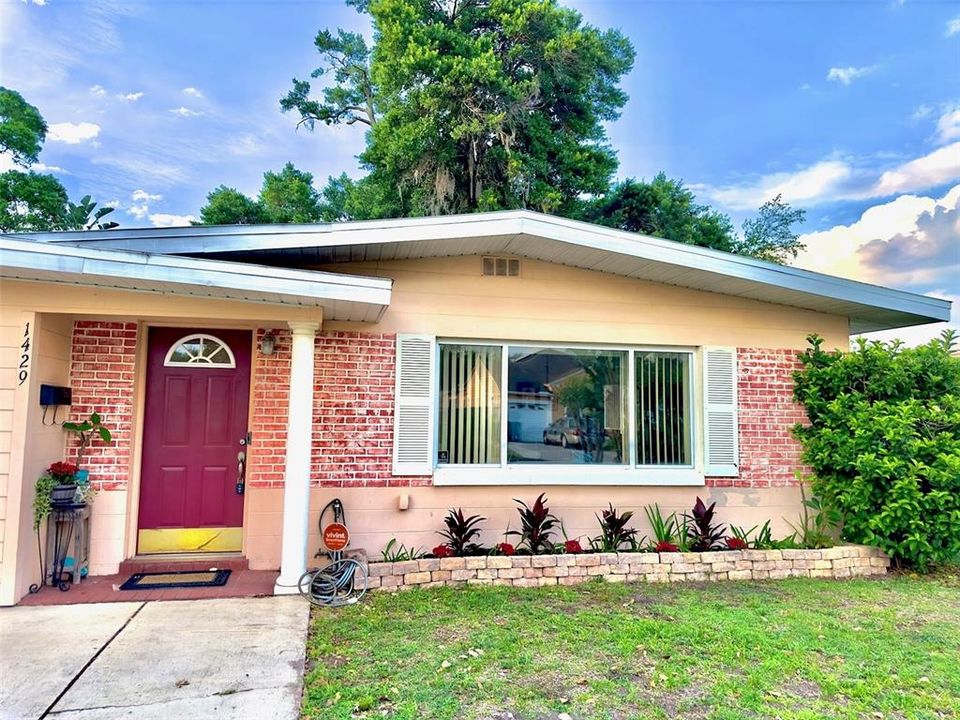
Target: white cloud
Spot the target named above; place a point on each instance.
(111, 203)
(245, 145)
(908, 242)
(43, 167)
(835, 179)
(185, 112)
(953, 26)
(98, 91)
(915, 234)
(144, 196)
(924, 111)
(72, 133)
(948, 126)
(139, 211)
(7, 163)
(130, 97)
(167, 220)
(848, 74)
(807, 185)
(938, 167)
(192, 92)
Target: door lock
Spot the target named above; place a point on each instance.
(241, 472)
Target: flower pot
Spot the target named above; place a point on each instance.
(63, 494)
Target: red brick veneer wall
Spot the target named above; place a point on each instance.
(769, 453)
(270, 396)
(352, 412)
(102, 366)
(353, 409)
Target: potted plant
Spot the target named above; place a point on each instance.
(86, 431)
(42, 498)
(60, 482)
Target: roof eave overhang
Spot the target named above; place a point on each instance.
(543, 237)
(342, 297)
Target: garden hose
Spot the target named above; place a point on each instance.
(341, 582)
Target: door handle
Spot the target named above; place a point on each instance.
(241, 472)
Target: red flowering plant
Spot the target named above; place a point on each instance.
(735, 543)
(505, 549)
(572, 547)
(442, 551)
(62, 472)
(666, 547)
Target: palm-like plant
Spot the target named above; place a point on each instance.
(461, 531)
(614, 533)
(702, 532)
(537, 525)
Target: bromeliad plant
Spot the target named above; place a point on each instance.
(614, 533)
(702, 532)
(665, 529)
(817, 524)
(461, 532)
(537, 525)
(398, 552)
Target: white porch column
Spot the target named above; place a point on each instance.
(296, 476)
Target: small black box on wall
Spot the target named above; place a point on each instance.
(55, 395)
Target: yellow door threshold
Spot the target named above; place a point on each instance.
(190, 540)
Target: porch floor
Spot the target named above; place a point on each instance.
(105, 588)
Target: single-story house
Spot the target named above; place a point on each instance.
(250, 374)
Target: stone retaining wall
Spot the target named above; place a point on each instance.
(533, 571)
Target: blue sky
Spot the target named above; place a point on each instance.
(852, 110)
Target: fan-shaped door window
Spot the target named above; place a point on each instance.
(200, 350)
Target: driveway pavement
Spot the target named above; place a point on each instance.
(226, 658)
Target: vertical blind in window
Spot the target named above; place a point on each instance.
(663, 408)
(470, 415)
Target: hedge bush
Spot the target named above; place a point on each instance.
(884, 444)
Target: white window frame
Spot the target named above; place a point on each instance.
(628, 473)
(169, 362)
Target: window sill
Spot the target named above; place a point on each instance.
(567, 475)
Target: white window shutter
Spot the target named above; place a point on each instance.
(414, 402)
(720, 412)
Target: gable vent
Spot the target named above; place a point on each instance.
(501, 267)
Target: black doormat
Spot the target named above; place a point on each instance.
(179, 579)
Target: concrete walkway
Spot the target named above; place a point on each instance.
(227, 658)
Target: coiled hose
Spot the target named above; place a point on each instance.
(343, 581)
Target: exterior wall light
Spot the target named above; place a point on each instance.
(268, 343)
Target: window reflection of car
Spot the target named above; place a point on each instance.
(563, 432)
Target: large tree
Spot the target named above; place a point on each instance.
(473, 104)
(664, 208)
(33, 201)
(22, 129)
(229, 206)
(771, 235)
(288, 196)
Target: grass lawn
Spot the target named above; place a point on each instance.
(788, 649)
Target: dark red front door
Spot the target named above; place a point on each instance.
(195, 420)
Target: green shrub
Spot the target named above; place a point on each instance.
(884, 444)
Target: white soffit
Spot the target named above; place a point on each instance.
(537, 236)
(342, 297)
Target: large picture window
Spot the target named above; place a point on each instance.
(469, 412)
(530, 405)
(566, 406)
(663, 408)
